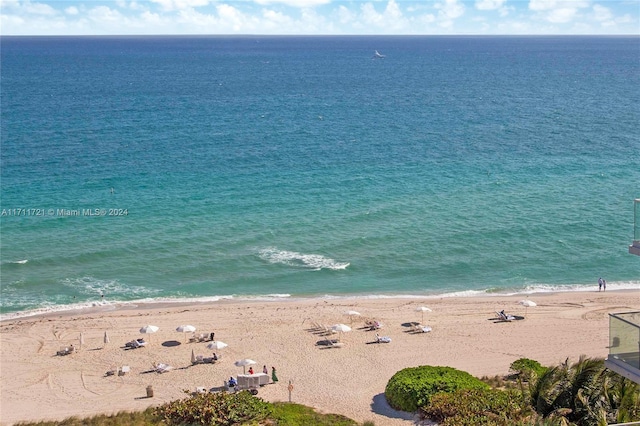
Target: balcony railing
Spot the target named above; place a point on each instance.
(624, 345)
(635, 247)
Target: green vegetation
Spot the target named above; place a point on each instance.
(412, 388)
(214, 409)
(217, 408)
(138, 418)
(289, 414)
(581, 394)
(527, 369)
(585, 393)
(469, 407)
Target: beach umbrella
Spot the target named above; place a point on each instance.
(106, 338)
(81, 339)
(185, 329)
(149, 329)
(217, 345)
(341, 328)
(193, 357)
(243, 363)
(527, 303)
(352, 314)
(423, 309)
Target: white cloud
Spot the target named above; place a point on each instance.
(230, 17)
(72, 10)
(294, 3)
(542, 4)
(38, 9)
(170, 5)
(345, 15)
(562, 15)
(102, 14)
(558, 11)
(391, 20)
(602, 13)
(450, 9)
(489, 4)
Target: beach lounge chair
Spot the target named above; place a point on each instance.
(162, 368)
(135, 344)
(419, 328)
(383, 339)
(66, 350)
(334, 344)
(504, 317)
(124, 370)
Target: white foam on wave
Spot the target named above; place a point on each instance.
(15, 262)
(314, 262)
(91, 285)
(48, 308)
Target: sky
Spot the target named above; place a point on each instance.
(320, 17)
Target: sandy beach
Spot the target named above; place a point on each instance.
(36, 384)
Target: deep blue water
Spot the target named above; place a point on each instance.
(275, 166)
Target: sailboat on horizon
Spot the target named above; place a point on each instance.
(377, 55)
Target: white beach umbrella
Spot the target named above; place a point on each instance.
(106, 338)
(217, 345)
(527, 303)
(185, 329)
(149, 329)
(352, 314)
(341, 328)
(423, 309)
(243, 363)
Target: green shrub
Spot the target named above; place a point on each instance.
(468, 407)
(411, 388)
(527, 368)
(218, 408)
(289, 414)
(135, 418)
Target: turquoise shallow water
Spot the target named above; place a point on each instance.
(185, 168)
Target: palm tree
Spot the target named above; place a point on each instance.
(585, 393)
(568, 391)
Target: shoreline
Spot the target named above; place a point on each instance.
(349, 380)
(108, 306)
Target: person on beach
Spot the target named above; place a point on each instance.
(264, 369)
(274, 378)
(212, 336)
(604, 285)
(600, 282)
(250, 370)
(215, 356)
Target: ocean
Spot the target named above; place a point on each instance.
(141, 169)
